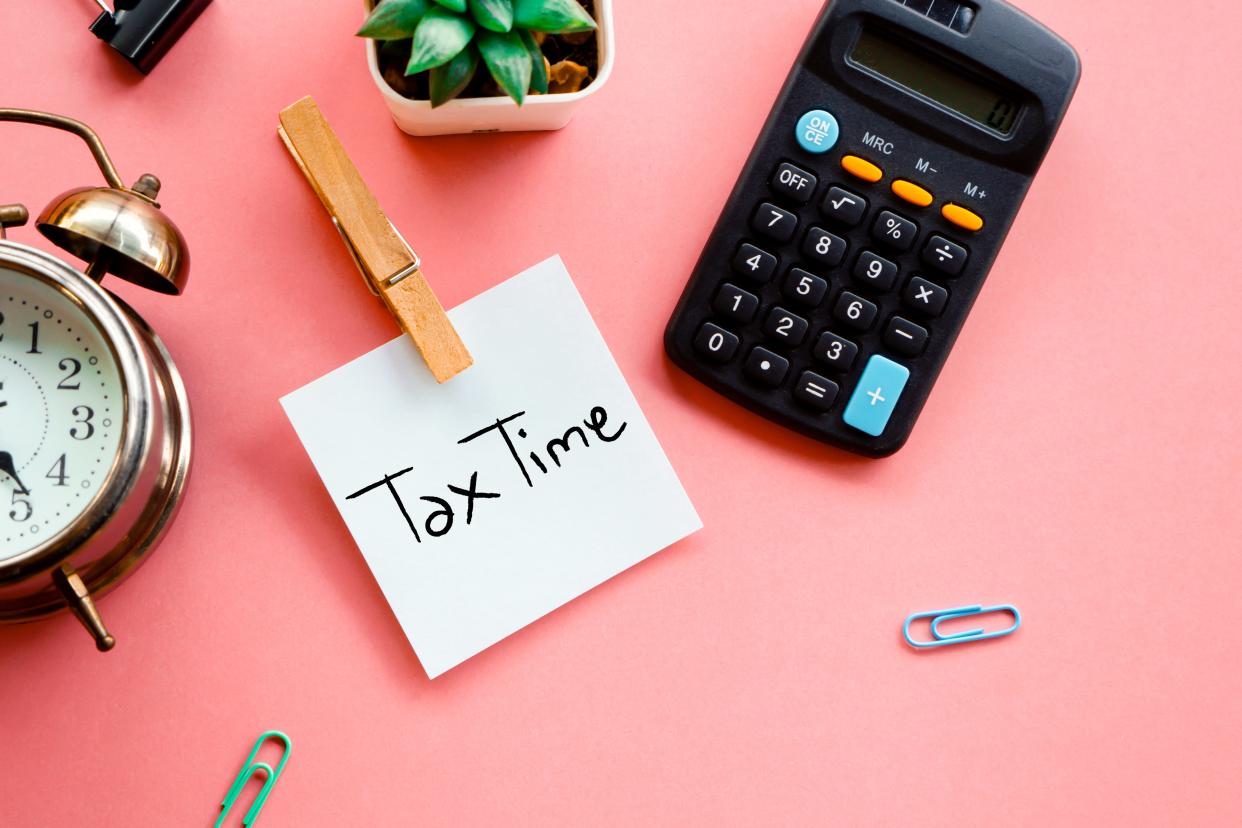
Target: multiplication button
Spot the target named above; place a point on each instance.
(944, 255)
(925, 297)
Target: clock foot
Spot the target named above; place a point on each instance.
(78, 597)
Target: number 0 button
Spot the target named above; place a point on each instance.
(715, 343)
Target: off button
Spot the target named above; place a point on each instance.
(818, 131)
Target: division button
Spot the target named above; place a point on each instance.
(754, 263)
(861, 168)
(794, 183)
(925, 297)
(815, 391)
(876, 395)
(844, 207)
(734, 303)
(817, 131)
(963, 218)
(904, 337)
(944, 255)
(913, 193)
(766, 368)
(715, 343)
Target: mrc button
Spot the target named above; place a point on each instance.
(817, 131)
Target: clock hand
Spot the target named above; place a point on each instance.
(8, 467)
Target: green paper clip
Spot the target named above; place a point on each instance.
(248, 771)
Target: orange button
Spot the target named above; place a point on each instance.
(962, 217)
(862, 168)
(913, 193)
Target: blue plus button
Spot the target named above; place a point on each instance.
(818, 131)
(876, 396)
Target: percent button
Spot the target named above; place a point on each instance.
(894, 231)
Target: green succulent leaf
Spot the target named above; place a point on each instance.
(539, 69)
(453, 5)
(440, 36)
(394, 19)
(496, 15)
(553, 16)
(508, 60)
(448, 80)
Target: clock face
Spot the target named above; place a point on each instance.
(61, 412)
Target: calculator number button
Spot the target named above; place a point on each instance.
(785, 327)
(805, 288)
(766, 368)
(894, 231)
(715, 343)
(855, 311)
(944, 255)
(875, 271)
(794, 183)
(734, 303)
(844, 207)
(925, 297)
(837, 353)
(815, 391)
(905, 337)
(754, 263)
(823, 247)
(774, 222)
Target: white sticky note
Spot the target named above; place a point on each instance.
(471, 537)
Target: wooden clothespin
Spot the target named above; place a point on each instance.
(392, 270)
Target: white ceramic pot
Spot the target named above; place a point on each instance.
(496, 114)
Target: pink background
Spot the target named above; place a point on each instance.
(1079, 458)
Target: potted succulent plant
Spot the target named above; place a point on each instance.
(450, 66)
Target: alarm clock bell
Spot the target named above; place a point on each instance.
(116, 230)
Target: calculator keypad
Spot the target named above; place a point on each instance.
(849, 273)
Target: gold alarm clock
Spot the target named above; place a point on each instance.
(95, 433)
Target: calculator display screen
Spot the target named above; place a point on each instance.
(985, 105)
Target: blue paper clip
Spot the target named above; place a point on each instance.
(940, 639)
(249, 770)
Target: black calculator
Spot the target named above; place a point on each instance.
(869, 214)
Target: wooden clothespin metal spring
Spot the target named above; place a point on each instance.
(390, 267)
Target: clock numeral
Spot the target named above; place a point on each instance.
(84, 413)
(22, 510)
(3, 403)
(1, 323)
(57, 472)
(34, 338)
(74, 368)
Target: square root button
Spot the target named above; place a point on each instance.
(876, 395)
